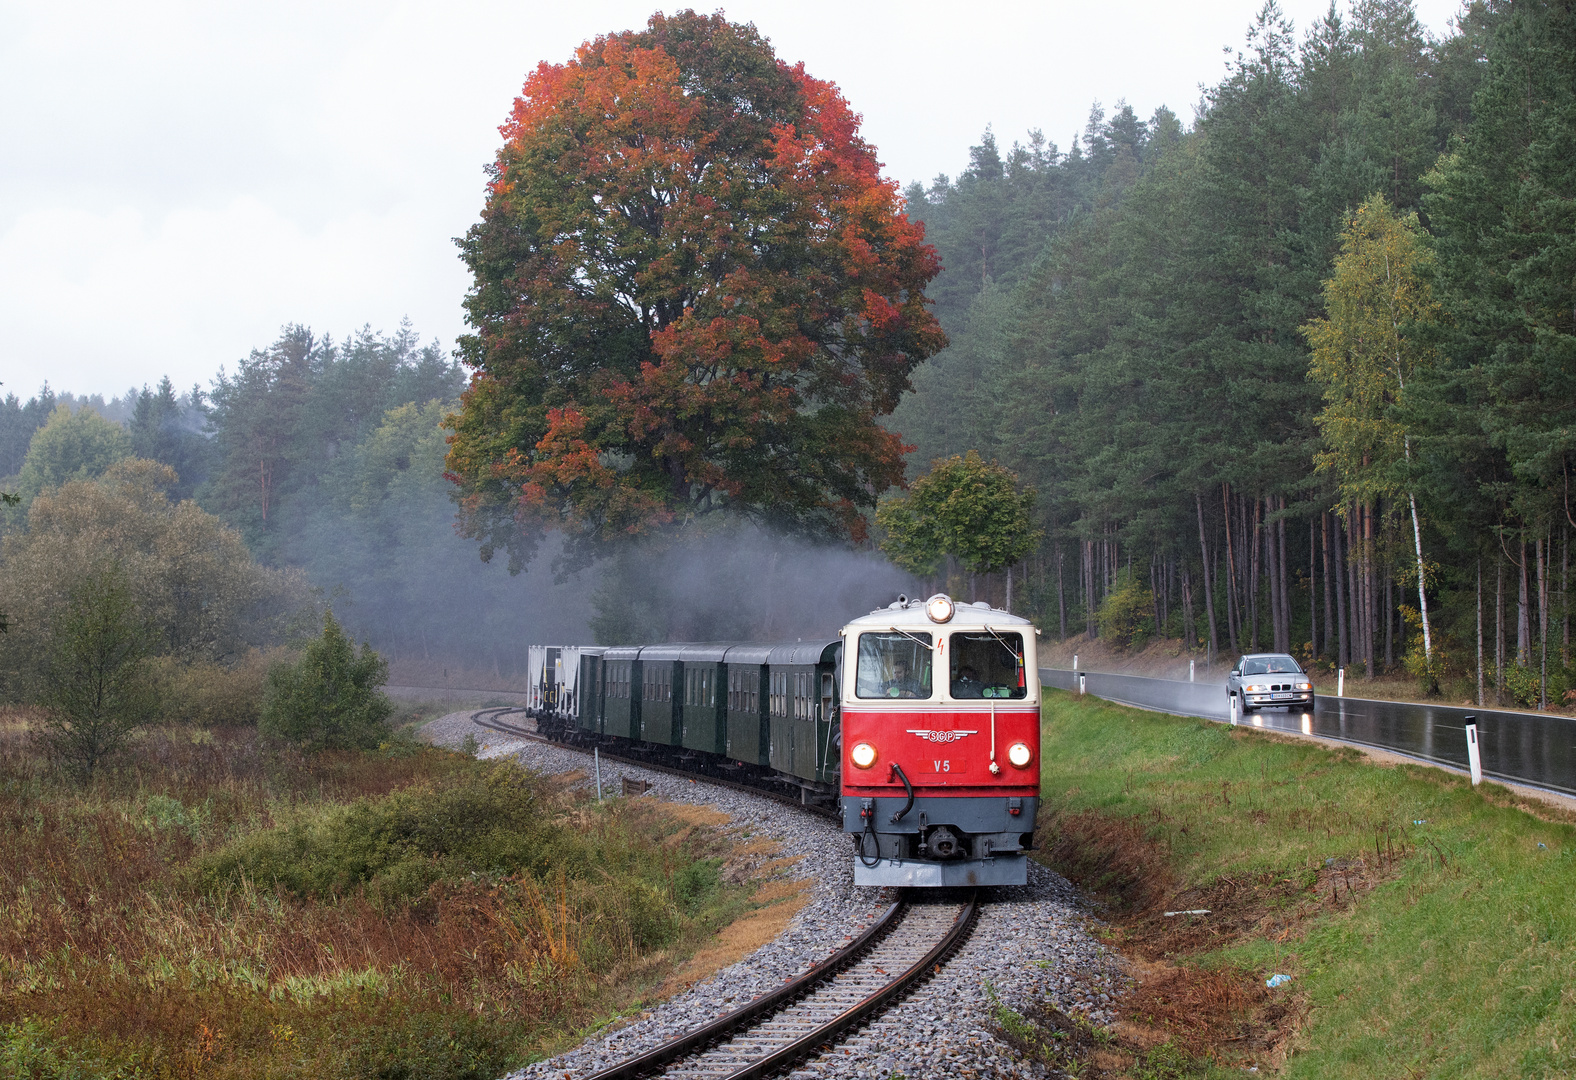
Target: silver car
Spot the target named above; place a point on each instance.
(1260, 679)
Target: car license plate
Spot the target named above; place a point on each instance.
(1283, 697)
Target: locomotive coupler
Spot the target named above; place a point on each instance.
(943, 843)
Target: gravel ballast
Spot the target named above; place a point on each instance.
(1032, 944)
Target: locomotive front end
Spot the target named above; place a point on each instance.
(940, 744)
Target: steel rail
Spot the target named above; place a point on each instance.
(740, 1021)
(509, 729)
(693, 1042)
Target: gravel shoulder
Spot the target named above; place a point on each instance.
(1032, 944)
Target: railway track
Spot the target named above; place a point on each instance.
(813, 1012)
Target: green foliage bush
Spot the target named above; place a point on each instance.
(396, 846)
(210, 694)
(1127, 614)
(329, 699)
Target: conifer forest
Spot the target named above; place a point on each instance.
(1293, 368)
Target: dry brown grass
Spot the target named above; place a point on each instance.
(108, 958)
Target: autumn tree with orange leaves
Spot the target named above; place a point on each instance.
(694, 293)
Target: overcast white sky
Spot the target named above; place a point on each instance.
(179, 179)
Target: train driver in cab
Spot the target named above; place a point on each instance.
(901, 684)
(967, 684)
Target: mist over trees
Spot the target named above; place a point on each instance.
(1130, 326)
(1232, 437)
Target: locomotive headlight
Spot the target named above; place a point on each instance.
(1018, 753)
(939, 607)
(864, 755)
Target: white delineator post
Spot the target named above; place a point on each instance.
(1474, 759)
(1340, 682)
(1080, 683)
(1075, 661)
(1233, 710)
(1190, 671)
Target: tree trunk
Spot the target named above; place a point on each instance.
(1543, 630)
(1269, 574)
(1523, 616)
(1209, 596)
(1282, 576)
(1251, 529)
(1354, 557)
(1499, 630)
(1422, 593)
(1480, 631)
(1061, 595)
(1231, 573)
(1389, 621)
(1313, 594)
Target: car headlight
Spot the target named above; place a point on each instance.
(1305, 686)
(1256, 688)
(1018, 753)
(939, 608)
(863, 755)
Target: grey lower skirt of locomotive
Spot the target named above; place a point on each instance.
(762, 712)
(941, 842)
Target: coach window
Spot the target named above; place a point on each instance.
(895, 665)
(987, 665)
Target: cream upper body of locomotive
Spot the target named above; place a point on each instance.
(941, 615)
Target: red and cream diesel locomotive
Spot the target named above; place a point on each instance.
(919, 721)
(940, 733)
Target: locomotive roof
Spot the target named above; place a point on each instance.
(911, 616)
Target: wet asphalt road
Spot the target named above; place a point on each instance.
(1521, 747)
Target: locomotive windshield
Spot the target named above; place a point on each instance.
(893, 665)
(988, 665)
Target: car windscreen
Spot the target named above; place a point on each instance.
(1270, 665)
(893, 665)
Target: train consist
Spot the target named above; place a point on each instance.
(919, 721)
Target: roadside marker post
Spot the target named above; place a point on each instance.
(1075, 661)
(1233, 710)
(1474, 759)
(1340, 682)
(1190, 671)
(1080, 684)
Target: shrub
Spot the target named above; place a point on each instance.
(208, 694)
(1127, 615)
(97, 687)
(329, 699)
(398, 845)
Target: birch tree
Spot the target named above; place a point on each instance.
(1365, 351)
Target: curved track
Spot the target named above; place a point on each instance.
(903, 948)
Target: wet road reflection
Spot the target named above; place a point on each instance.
(1532, 749)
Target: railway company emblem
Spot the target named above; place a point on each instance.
(940, 736)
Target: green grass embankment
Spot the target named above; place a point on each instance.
(1440, 949)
